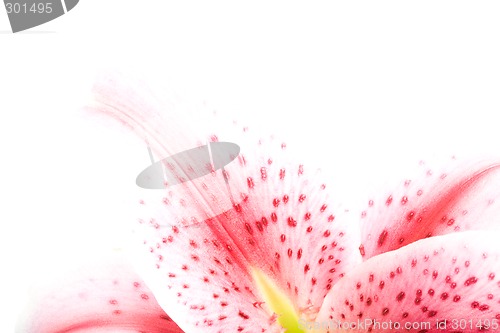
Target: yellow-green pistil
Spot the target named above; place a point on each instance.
(278, 302)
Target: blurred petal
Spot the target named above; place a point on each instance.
(452, 277)
(462, 196)
(203, 237)
(104, 296)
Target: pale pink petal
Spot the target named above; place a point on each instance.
(451, 277)
(458, 197)
(103, 296)
(202, 237)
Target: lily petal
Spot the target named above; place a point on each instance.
(463, 196)
(453, 277)
(203, 238)
(100, 296)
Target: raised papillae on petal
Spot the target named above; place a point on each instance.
(105, 295)
(462, 196)
(202, 240)
(441, 284)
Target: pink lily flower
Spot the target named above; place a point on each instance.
(262, 245)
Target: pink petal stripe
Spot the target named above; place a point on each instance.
(102, 296)
(463, 196)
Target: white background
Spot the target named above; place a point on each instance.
(371, 83)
